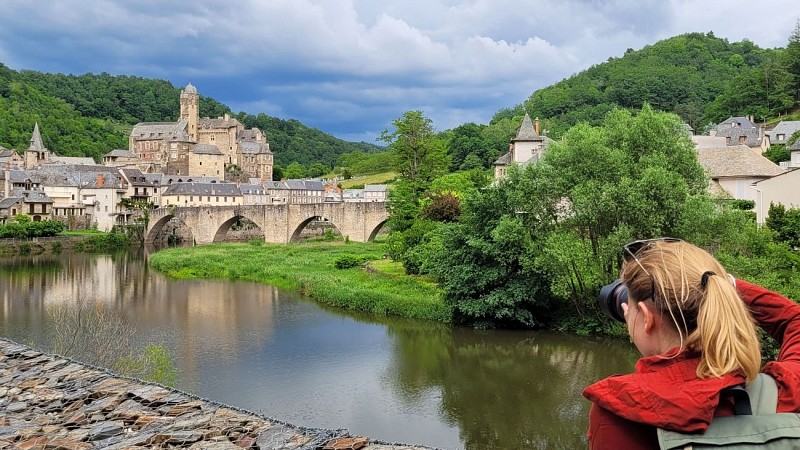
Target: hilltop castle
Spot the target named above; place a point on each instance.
(197, 146)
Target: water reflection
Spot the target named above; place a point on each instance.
(396, 380)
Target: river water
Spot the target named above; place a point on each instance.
(279, 354)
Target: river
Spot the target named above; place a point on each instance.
(279, 354)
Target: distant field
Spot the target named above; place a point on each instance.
(378, 178)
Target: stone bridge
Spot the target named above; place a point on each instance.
(280, 224)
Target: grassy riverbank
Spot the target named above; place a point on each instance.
(309, 268)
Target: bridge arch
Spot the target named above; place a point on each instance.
(222, 230)
(155, 228)
(375, 230)
(298, 229)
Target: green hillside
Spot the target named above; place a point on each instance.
(701, 77)
(89, 115)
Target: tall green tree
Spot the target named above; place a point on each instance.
(792, 58)
(419, 155)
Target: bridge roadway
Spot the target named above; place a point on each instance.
(50, 402)
(360, 222)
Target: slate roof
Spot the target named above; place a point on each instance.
(36, 140)
(795, 146)
(736, 161)
(253, 148)
(374, 188)
(751, 135)
(32, 196)
(741, 122)
(171, 179)
(173, 131)
(190, 89)
(527, 132)
(219, 122)
(137, 178)
(8, 202)
(252, 189)
(786, 128)
(226, 189)
(503, 160)
(119, 153)
(278, 185)
(248, 135)
(82, 160)
(76, 175)
(352, 193)
(206, 149)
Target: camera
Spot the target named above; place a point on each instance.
(611, 298)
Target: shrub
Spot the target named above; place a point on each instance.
(348, 261)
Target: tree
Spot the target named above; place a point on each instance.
(547, 237)
(295, 170)
(419, 155)
(792, 58)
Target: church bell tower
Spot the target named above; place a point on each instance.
(190, 109)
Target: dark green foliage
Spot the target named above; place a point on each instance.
(348, 261)
(23, 228)
(103, 243)
(785, 223)
(778, 153)
(744, 205)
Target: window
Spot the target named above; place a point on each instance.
(742, 139)
(781, 137)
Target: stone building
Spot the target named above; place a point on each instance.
(170, 147)
(202, 194)
(526, 147)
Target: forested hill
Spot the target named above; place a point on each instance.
(90, 115)
(701, 77)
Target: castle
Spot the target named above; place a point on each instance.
(195, 146)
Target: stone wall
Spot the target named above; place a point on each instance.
(47, 401)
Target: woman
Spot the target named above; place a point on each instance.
(697, 337)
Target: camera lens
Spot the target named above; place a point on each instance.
(611, 298)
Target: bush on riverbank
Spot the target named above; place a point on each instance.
(310, 268)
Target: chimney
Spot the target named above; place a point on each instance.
(536, 125)
(99, 180)
(7, 181)
(227, 117)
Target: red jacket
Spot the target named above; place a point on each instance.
(666, 393)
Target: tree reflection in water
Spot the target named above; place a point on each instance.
(505, 389)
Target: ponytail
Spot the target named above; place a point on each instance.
(725, 334)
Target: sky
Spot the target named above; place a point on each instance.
(350, 67)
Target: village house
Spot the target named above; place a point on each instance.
(11, 159)
(254, 194)
(782, 132)
(528, 146)
(370, 193)
(202, 194)
(120, 158)
(277, 191)
(33, 203)
(142, 187)
(733, 169)
(742, 131)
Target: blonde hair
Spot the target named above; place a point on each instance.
(693, 288)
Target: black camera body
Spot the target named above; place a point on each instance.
(611, 298)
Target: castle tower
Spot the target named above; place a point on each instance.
(36, 153)
(190, 110)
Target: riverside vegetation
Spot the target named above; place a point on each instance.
(311, 269)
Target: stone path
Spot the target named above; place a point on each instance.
(49, 402)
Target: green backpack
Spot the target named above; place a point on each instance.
(756, 425)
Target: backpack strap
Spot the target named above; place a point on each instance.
(763, 394)
(760, 397)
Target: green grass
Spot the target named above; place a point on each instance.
(83, 233)
(309, 269)
(378, 178)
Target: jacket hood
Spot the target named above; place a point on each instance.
(663, 392)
